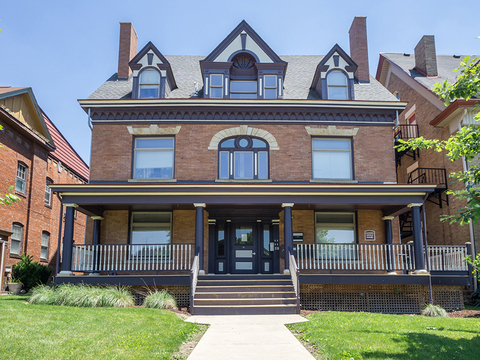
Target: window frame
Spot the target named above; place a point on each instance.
(46, 247)
(352, 164)
(346, 86)
(216, 86)
(146, 255)
(265, 87)
(140, 84)
(238, 149)
(134, 156)
(237, 92)
(22, 181)
(12, 238)
(48, 191)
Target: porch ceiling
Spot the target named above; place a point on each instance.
(391, 198)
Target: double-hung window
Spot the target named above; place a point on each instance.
(270, 87)
(332, 159)
(154, 158)
(216, 86)
(21, 183)
(16, 239)
(149, 84)
(149, 232)
(48, 192)
(337, 84)
(243, 89)
(243, 158)
(44, 246)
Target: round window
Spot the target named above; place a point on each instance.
(243, 143)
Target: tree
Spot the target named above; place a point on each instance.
(9, 198)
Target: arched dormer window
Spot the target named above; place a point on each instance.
(149, 84)
(337, 84)
(243, 77)
(243, 158)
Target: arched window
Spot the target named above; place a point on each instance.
(243, 158)
(149, 84)
(337, 83)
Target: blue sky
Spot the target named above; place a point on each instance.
(64, 50)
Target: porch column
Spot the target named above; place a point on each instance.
(418, 239)
(389, 241)
(68, 239)
(95, 241)
(199, 234)
(288, 232)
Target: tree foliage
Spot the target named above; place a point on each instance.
(465, 143)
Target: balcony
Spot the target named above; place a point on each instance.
(405, 132)
(437, 176)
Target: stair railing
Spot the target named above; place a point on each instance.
(295, 275)
(193, 281)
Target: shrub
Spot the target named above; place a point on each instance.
(434, 311)
(82, 296)
(476, 297)
(160, 300)
(30, 273)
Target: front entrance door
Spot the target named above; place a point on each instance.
(244, 249)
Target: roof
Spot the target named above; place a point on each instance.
(64, 152)
(8, 89)
(298, 79)
(445, 66)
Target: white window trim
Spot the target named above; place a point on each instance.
(329, 86)
(350, 150)
(140, 84)
(19, 178)
(12, 239)
(47, 246)
(172, 149)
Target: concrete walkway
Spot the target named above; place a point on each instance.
(248, 337)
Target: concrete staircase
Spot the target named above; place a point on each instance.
(244, 295)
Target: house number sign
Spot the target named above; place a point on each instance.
(369, 235)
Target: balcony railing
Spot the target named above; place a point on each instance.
(405, 132)
(377, 257)
(436, 176)
(142, 257)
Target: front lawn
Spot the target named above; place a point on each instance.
(356, 336)
(62, 332)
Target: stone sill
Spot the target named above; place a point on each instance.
(152, 180)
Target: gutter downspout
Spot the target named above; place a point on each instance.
(470, 225)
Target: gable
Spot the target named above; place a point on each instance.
(21, 104)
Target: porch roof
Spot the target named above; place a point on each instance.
(392, 199)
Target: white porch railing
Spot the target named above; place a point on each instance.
(447, 258)
(386, 257)
(140, 257)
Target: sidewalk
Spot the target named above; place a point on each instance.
(248, 337)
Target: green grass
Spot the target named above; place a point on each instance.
(377, 336)
(63, 332)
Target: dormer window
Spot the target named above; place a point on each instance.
(270, 86)
(216, 86)
(337, 85)
(243, 89)
(149, 84)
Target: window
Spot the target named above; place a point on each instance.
(335, 228)
(21, 183)
(149, 84)
(150, 229)
(48, 192)
(270, 86)
(154, 158)
(332, 159)
(45, 243)
(337, 85)
(243, 89)
(216, 86)
(243, 158)
(16, 240)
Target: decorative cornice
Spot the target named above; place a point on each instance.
(243, 130)
(331, 131)
(153, 130)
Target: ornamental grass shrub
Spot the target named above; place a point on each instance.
(434, 311)
(160, 300)
(82, 296)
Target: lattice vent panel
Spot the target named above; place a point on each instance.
(181, 293)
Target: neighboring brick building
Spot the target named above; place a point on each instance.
(240, 158)
(411, 77)
(34, 155)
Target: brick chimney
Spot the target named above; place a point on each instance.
(426, 56)
(127, 49)
(358, 47)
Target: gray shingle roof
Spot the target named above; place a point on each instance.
(445, 66)
(298, 79)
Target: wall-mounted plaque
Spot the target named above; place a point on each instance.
(369, 235)
(297, 236)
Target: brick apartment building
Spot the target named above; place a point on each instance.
(34, 155)
(411, 76)
(243, 174)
